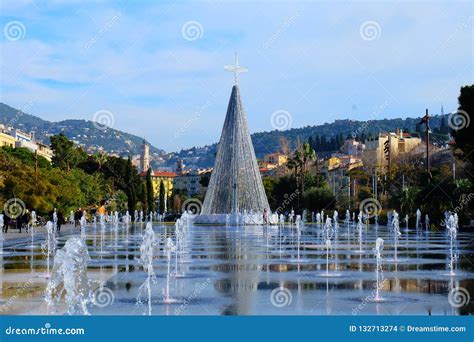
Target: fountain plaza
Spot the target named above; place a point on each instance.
(327, 267)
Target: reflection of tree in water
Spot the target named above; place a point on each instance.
(241, 264)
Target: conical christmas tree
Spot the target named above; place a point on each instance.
(236, 185)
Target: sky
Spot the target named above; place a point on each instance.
(156, 68)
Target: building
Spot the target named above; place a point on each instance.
(19, 135)
(180, 166)
(167, 177)
(266, 165)
(336, 170)
(352, 147)
(44, 151)
(190, 181)
(389, 148)
(145, 157)
(277, 159)
(16, 138)
(5, 138)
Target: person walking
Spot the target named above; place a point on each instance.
(60, 221)
(77, 217)
(26, 220)
(265, 216)
(19, 223)
(6, 222)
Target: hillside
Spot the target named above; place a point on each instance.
(114, 141)
(80, 131)
(268, 142)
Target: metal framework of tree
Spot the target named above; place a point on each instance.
(235, 185)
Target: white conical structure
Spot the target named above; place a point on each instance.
(235, 186)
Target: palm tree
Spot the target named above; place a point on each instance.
(308, 155)
(299, 164)
(100, 158)
(408, 199)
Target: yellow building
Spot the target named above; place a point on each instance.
(6, 140)
(333, 162)
(397, 146)
(277, 159)
(336, 171)
(157, 177)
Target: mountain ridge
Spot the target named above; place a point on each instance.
(82, 132)
(85, 133)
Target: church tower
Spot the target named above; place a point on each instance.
(145, 157)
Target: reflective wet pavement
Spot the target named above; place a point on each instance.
(256, 270)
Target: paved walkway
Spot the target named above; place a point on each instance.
(13, 237)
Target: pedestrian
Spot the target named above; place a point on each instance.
(265, 216)
(60, 220)
(19, 223)
(6, 222)
(26, 220)
(77, 217)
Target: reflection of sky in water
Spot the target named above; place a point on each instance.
(239, 270)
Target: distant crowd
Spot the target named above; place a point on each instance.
(29, 219)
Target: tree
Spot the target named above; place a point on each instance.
(150, 192)
(65, 155)
(27, 157)
(100, 158)
(443, 129)
(204, 179)
(130, 187)
(308, 155)
(408, 200)
(162, 198)
(284, 145)
(464, 144)
(144, 198)
(316, 199)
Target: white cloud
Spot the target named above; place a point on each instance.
(308, 58)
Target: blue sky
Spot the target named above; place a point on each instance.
(158, 66)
